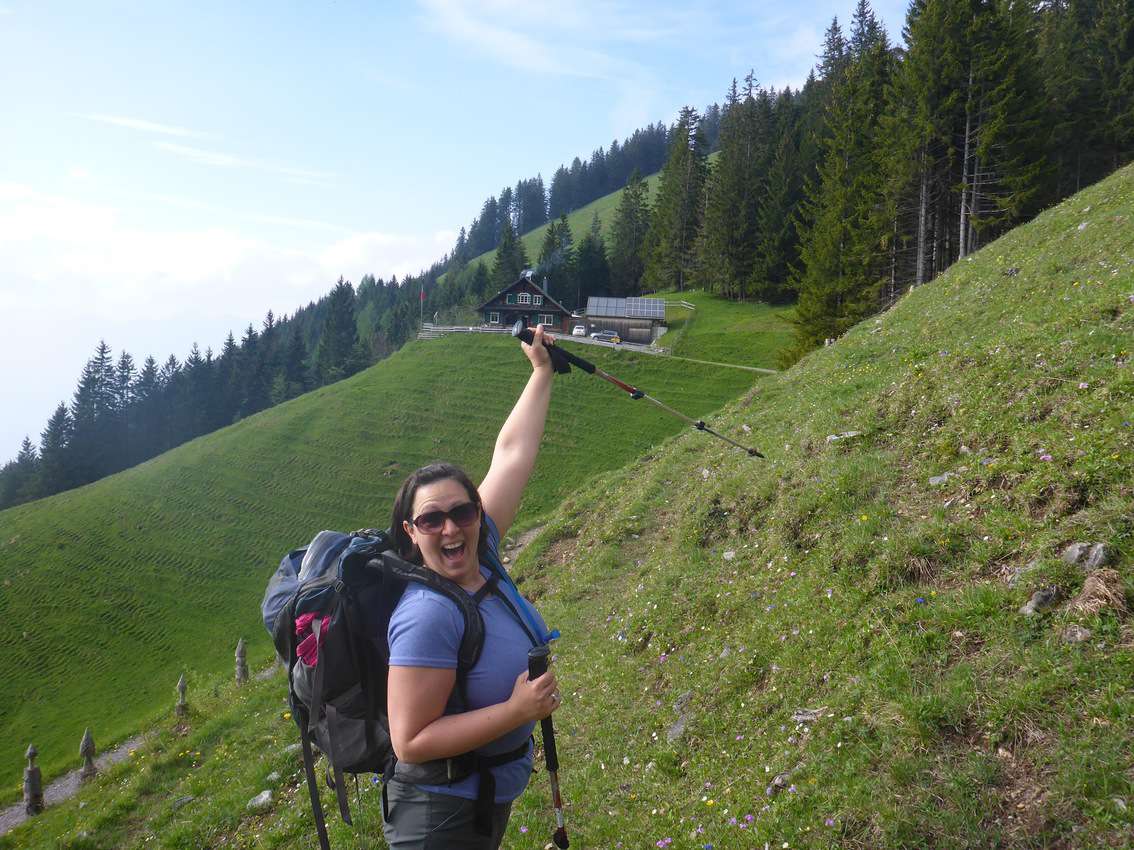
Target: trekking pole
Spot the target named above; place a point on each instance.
(537, 666)
(564, 357)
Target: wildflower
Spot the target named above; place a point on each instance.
(1083, 385)
(829, 822)
(791, 574)
(523, 829)
(920, 600)
(750, 818)
(1045, 457)
(710, 802)
(830, 592)
(732, 821)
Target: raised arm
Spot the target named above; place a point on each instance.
(518, 442)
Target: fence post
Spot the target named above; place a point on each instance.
(87, 751)
(182, 708)
(33, 784)
(241, 662)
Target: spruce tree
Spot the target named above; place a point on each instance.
(556, 261)
(592, 271)
(676, 217)
(338, 342)
(628, 238)
(843, 252)
(511, 259)
(55, 473)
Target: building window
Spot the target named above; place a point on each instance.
(494, 318)
(511, 299)
(525, 298)
(537, 300)
(546, 318)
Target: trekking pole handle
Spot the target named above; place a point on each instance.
(525, 335)
(537, 666)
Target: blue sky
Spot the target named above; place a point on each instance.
(170, 171)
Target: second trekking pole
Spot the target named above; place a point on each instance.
(537, 666)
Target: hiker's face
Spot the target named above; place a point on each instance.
(452, 550)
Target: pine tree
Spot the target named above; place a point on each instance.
(843, 252)
(628, 238)
(19, 480)
(511, 259)
(592, 271)
(777, 251)
(556, 262)
(335, 356)
(727, 248)
(676, 216)
(55, 473)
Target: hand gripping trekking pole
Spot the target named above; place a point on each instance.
(537, 666)
(562, 360)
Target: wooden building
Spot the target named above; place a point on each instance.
(526, 301)
(640, 320)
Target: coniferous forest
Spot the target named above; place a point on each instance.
(889, 164)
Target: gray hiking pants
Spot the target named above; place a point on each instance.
(420, 820)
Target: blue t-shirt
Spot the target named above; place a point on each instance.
(426, 630)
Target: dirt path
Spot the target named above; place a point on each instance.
(67, 786)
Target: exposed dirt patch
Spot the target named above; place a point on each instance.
(1023, 812)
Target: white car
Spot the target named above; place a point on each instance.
(579, 330)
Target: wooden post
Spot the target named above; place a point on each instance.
(33, 784)
(87, 751)
(182, 707)
(241, 662)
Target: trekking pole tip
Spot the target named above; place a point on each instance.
(560, 839)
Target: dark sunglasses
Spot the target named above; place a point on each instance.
(431, 522)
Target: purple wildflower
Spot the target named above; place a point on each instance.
(920, 600)
(829, 822)
(523, 829)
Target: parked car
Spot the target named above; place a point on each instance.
(579, 330)
(606, 336)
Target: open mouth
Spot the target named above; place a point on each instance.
(454, 552)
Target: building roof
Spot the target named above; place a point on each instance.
(626, 308)
(525, 277)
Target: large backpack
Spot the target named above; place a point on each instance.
(328, 608)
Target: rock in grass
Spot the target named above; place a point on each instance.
(274, 776)
(181, 802)
(1099, 556)
(807, 715)
(938, 480)
(846, 435)
(261, 802)
(676, 730)
(1075, 633)
(1073, 553)
(1041, 601)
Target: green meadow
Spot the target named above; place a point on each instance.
(111, 590)
(746, 334)
(820, 649)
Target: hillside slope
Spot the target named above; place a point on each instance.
(824, 648)
(109, 590)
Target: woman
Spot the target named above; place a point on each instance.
(443, 521)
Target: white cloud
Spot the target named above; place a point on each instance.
(227, 160)
(86, 272)
(143, 125)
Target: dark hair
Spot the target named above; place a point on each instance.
(403, 507)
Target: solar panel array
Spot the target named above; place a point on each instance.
(632, 308)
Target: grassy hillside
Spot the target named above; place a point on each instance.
(748, 334)
(109, 590)
(823, 648)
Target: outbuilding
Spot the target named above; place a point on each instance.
(640, 320)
